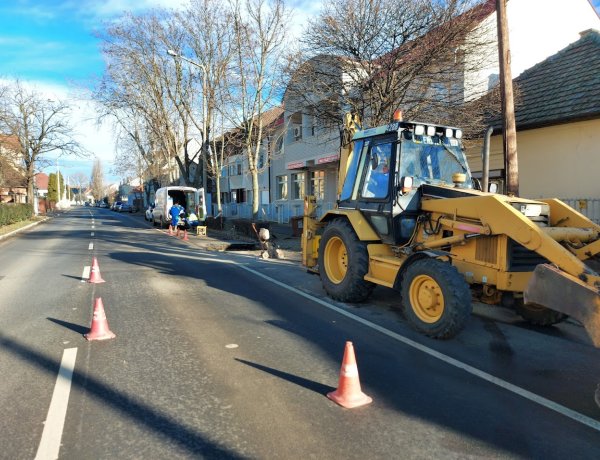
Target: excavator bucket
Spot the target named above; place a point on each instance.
(552, 288)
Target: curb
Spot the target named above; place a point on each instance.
(14, 232)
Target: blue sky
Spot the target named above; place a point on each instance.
(52, 41)
(51, 44)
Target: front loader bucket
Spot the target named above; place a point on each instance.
(552, 288)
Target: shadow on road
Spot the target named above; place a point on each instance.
(72, 326)
(295, 379)
(187, 438)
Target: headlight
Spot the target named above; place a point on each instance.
(431, 130)
(448, 132)
(419, 130)
(458, 134)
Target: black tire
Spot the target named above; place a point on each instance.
(436, 299)
(537, 315)
(343, 263)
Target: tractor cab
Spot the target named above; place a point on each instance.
(391, 166)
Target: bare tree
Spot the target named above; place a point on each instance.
(97, 180)
(259, 39)
(40, 125)
(372, 57)
(79, 181)
(144, 93)
(208, 36)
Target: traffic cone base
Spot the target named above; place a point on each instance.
(349, 393)
(99, 329)
(95, 276)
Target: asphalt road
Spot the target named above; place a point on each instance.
(225, 355)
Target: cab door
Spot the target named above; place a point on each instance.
(377, 186)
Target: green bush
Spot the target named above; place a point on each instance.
(11, 213)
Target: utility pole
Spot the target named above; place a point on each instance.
(509, 130)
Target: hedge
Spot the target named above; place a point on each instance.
(14, 212)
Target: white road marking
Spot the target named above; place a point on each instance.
(93, 226)
(91, 246)
(55, 421)
(86, 274)
(92, 234)
(578, 417)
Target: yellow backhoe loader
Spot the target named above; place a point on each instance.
(409, 216)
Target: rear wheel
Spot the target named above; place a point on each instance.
(343, 263)
(538, 315)
(436, 299)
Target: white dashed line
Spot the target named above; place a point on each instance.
(86, 274)
(55, 421)
(91, 246)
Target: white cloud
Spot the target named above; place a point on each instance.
(111, 8)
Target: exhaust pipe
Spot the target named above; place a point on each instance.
(485, 158)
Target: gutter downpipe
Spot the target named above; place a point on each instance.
(485, 158)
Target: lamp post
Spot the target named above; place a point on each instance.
(175, 54)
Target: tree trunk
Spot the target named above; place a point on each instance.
(255, 194)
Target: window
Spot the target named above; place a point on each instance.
(317, 184)
(298, 186)
(279, 146)
(297, 131)
(282, 187)
(377, 177)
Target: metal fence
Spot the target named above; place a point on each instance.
(273, 212)
(283, 212)
(589, 207)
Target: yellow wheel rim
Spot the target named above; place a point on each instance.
(336, 260)
(426, 299)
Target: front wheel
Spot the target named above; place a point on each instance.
(343, 263)
(436, 299)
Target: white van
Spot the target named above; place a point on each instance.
(190, 198)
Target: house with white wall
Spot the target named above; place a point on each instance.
(537, 29)
(235, 179)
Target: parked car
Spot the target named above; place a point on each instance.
(126, 207)
(148, 216)
(103, 204)
(116, 206)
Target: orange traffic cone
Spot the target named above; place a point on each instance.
(99, 329)
(185, 236)
(95, 276)
(348, 393)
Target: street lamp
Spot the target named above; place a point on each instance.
(176, 55)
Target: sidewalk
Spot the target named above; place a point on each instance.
(225, 240)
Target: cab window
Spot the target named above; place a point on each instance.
(377, 175)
